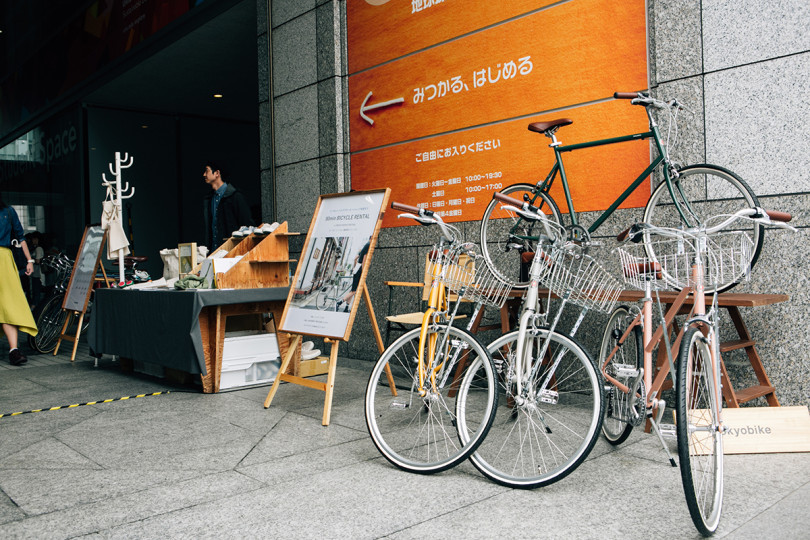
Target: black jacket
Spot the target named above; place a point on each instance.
(233, 212)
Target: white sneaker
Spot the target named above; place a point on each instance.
(243, 231)
(267, 228)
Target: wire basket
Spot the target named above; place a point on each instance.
(467, 274)
(668, 262)
(571, 274)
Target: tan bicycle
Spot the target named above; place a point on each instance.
(652, 258)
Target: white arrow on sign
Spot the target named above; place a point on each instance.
(364, 108)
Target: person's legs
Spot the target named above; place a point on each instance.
(15, 355)
(11, 335)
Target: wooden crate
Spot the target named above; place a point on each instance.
(265, 262)
(317, 366)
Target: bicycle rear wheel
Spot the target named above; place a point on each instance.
(49, 325)
(629, 355)
(505, 236)
(540, 438)
(423, 433)
(707, 191)
(700, 441)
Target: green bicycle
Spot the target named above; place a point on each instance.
(685, 197)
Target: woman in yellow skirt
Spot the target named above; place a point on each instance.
(14, 310)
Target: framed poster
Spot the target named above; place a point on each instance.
(187, 258)
(332, 269)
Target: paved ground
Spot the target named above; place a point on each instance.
(189, 465)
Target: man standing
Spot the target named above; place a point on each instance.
(225, 208)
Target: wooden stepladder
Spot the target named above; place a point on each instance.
(328, 386)
(339, 244)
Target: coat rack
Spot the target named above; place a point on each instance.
(116, 193)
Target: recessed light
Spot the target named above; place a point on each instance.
(217, 96)
(144, 126)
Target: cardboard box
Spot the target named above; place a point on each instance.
(316, 366)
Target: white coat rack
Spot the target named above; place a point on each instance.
(117, 193)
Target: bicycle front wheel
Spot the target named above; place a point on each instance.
(705, 191)
(49, 326)
(433, 430)
(620, 407)
(542, 435)
(700, 439)
(505, 236)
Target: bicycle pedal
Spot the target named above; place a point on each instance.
(399, 405)
(668, 431)
(626, 370)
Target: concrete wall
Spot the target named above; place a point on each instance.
(740, 66)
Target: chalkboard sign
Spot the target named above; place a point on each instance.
(84, 269)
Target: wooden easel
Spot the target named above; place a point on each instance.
(79, 289)
(328, 386)
(359, 214)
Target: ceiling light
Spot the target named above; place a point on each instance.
(144, 126)
(217, 96)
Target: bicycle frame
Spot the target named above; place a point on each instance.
(429, 369)
(661, 157)
(650, 340)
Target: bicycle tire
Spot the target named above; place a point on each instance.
(421, 434)
(711, 190)
(700, 441)
(521, 449)
(49, 325)
(630, 353)
(502, 254)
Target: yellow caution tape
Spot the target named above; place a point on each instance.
(80, 404)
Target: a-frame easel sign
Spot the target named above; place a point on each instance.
(329, 279)
(81, 283)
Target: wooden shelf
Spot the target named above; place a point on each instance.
(265, 261)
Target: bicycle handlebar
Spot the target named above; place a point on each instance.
(413, 209)
(775, 215)
(523, 208)
(428, 217)
(639, 98)
(765, 217)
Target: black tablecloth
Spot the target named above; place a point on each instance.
(161, 326)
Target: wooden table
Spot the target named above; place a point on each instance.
(181, 330)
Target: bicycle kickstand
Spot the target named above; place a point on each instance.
(669, 429)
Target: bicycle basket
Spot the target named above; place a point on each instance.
(466, 274)
(571, 274)
(667, 262)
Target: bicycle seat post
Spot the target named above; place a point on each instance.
(551, 134)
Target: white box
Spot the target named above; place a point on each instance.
(260, 347)
(237, 375)
(248, 373)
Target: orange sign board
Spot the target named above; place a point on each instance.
(440, 97)
(380, 30)
(456, 174)
(596, 48)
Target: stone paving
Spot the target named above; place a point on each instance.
(184, 464)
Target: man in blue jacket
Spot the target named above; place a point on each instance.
(225, 208)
